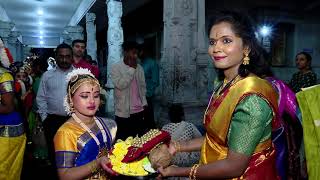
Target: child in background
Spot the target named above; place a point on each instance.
(181, 130)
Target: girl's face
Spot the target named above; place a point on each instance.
(302, 62)
(21, 76)
(86, 100)
(226, 49)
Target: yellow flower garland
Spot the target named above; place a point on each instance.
(130, 169)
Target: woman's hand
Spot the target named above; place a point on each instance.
(105, 163)
(166, 172)
(172, 147)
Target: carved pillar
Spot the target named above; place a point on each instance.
(71, 33)
(5, 30)
(205, 70)
(266, 43)
(91, 35)
(19, 51)
(13, 43)
(115, 40)
(66, 38)
(202, 35)
(184, 63)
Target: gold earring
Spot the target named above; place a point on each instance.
(70, 103)
(246, 59)
(71, 106)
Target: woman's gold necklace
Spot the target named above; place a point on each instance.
(226, 84)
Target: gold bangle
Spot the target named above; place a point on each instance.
(177, 146)
(195, 172)
(192, 171)
(93, 167)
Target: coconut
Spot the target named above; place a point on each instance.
(160, 156)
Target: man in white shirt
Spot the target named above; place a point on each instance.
(52, 90)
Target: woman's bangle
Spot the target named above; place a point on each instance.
(193, 171)
(177, 146)
(93, 167)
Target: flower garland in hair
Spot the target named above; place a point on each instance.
(6, 58)
(78, 71)
(71, 76)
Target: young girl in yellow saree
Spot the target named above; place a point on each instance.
(83, 142)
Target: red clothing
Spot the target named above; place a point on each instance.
(84, 64)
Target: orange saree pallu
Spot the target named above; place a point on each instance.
(217, 120)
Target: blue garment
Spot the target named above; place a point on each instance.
(151, 74)
(75, 147)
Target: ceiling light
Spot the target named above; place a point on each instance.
(40, 23)
(40, 12)
(265, 30)
(41, 37)
(41, 32)
(41, 42)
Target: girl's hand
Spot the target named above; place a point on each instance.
(172, 148)
(166, 172)
(105, 163)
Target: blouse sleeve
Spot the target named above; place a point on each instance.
(65, 149)
(250, 124)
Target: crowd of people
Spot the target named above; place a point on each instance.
(253, 122)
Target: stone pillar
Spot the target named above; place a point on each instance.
(205, 68)
(184, 61)
(66, 38)
(71, 33)
(5, 30)
(26, 51)
(115, 40)
(266, 43)
(91, 35)
(201, 32)
(19, 51)
(13, 43)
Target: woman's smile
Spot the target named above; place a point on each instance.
(218, 58)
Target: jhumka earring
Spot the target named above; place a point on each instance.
(71, 106)
(246, 59)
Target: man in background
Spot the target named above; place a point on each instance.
(79, 57)
(129, 93)
(50, 96)
(151, 74)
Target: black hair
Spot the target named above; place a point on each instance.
(147, 50)
(129, 45)
(77, 78)
(88, 57)
(79, 41)
(242, 26)
(63, 46)
(39, 66)
(15, 67)
(176, 113)
(307, 55)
